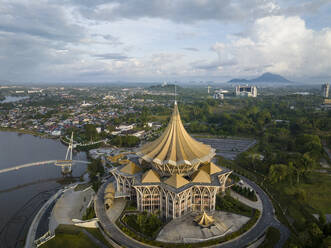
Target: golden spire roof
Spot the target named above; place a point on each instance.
(176, 147)
(131, 168)
(150, 177)
(176, 181)
(204, 220)
(110, 188)
(211, 168)
(201, 176)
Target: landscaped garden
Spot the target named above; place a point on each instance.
(145, 226)
(229, 204)
(245, 191)
(145, 223)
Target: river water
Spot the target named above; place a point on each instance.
(13, 99)
(24, 191)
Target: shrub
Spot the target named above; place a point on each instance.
(244, 191)
(271, 238)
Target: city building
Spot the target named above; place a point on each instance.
(325, 90)
(172, 175)
(218, 95)
(86, 104)
(326, 103)
(248, 91)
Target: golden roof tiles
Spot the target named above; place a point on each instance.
(150, 177)
(176, 181)
(175, 146)
(211, 168)
(201, 176)
(131, 168)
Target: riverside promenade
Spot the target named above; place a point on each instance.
(31, 236)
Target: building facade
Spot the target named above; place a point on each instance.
(218, 95)
(325, 90)
(172, 175)
(248, 91)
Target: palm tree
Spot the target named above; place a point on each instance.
(278, 172)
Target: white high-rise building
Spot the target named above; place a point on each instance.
(325, 90)
(248, 91)
(218, 95)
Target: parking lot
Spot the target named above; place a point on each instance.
(229, 148)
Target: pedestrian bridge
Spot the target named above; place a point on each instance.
(13, 168)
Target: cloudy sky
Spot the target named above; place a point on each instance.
(163, 40)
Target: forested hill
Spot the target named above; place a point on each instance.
(264, 78)
(168, 87)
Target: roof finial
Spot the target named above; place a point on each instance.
(175, 95)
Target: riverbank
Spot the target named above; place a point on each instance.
(25, 131)
(22, 192)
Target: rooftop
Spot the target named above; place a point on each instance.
(176, 147)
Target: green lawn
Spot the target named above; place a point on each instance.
(79, 240)
(68, 236)
(97, 234)
(318, 192)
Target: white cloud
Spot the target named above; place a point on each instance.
(278, 44)
(106, 40)
(176, 10)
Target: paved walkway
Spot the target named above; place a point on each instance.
(253, 204)
(71, 205)
(115, 211)
(266, 220)
(31, 236)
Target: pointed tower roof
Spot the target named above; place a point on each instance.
(150, 177)
(176, 181)
(201, 176)
(131, 168)
(204, 220)
(211, 168)
(176, 147)
(110, 188)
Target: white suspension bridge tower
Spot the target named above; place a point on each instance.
(66, 164)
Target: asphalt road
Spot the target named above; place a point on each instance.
(109, 227)
(267, 219)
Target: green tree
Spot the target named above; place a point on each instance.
(95, 170)
(90, 131)
(327, 242)
(278, 172)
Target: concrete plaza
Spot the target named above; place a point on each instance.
(184, 229)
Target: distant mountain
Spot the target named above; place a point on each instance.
(239, 80)
(271, 78)
(264, 78)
